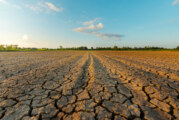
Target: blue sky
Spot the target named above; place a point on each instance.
(71, 23)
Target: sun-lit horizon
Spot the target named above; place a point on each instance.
(91, 23)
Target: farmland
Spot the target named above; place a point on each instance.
(99, 85)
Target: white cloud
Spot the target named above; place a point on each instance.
(25, 37)
(91, 21)
(3, 1)
(92, 29)
(53, 7)
(41, 6)
(10, 4)
(34, 8)
(100, 26)
(175, 2)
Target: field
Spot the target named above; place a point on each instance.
(89, 85)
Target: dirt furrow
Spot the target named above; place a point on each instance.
(22, 66)
(147, 95)
(163, 72)
(36, 93)
(88, 85)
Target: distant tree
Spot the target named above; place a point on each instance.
(92, 48)
(8, 47)
(115, 48)
(177, 47)
(126, 48)
(104, 48)
(14, 47)
(1, 47)
(43, 49)
(61, 47)
(82, 48)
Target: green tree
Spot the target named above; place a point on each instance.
(8, 47)
(1, 47)
(82, 48)
(61, 47)
(115, 47)
(177, 47)
(14, 47)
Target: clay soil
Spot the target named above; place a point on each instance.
(119, 85)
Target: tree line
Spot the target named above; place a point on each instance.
(17, 48)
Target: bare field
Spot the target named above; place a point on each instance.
(89, 85)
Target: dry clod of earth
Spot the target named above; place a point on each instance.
(82, 85)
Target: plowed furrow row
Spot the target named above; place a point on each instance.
(20, 66)
(148, 91)
(34, 90)
(88, 85)
(162, 71)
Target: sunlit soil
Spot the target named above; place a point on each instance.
(89, 85)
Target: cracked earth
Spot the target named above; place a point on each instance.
(89, 85)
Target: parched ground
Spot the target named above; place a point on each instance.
(89, 85)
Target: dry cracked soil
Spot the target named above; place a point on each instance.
(83, 85)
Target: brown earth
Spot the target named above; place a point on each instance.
(89, 85)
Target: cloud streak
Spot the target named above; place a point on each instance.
(10, 4)
(3, 1)
(91, 21)
(175, 2)
(53, 7)
(33, 8)
(91, 29)
(44, 6)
